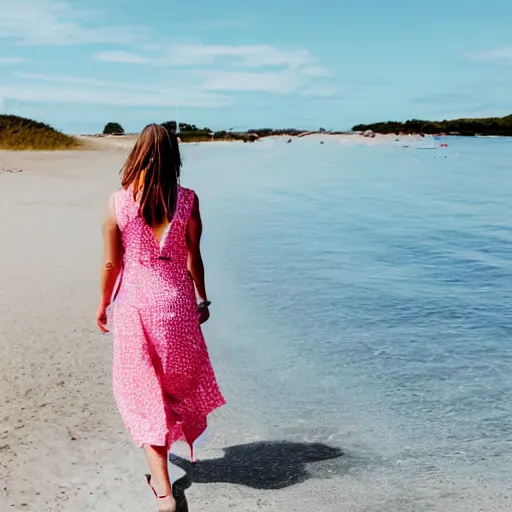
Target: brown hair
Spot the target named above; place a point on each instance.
(153, 170)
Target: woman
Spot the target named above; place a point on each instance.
(163, 380)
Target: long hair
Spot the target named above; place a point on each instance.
(153, 170)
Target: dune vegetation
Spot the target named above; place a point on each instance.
(19, 133)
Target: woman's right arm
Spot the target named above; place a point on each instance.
(195, 260)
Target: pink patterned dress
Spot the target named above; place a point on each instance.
(163, 380)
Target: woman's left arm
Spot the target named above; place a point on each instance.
(112, 265)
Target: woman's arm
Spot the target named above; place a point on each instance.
(195, 260)
(112, 265)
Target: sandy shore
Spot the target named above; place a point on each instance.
(62, 444)
(126, 142)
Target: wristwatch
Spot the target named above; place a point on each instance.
(203, 305)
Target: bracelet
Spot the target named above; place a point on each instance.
(203, 305)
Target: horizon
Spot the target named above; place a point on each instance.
(241, 66)
(276, 131)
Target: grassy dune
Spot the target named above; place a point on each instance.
(18, 133)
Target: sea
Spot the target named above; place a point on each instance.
(362, 300)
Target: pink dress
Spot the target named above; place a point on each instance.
(164, 383)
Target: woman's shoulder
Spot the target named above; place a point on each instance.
(188, 193)
(122, 204)
(189, 200)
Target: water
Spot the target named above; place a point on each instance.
(363, 296)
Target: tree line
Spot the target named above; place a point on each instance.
(465, 126)
(189, 132)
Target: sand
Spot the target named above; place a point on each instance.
(125, 142)
(62, 444)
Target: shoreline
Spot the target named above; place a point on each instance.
(101, 142)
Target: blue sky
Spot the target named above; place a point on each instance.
(232, 64)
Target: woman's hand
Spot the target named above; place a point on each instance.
(204, 314)
(101, 317)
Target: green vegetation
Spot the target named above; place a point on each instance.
(113, 129)
(191, 133)
(195, 135)
(467, 127)
(19, 133)
(269, 132)
(185, 128)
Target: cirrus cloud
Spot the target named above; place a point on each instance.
(243, 68)
(210, 74)
(11, 61)
(56, 23)
(502, 55)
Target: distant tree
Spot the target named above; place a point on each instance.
(185, 127)
(431, 128)
(464, 126)
(113, 129)
(170, 126)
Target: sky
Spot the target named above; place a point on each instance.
(79, 64)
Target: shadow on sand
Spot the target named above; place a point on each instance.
(262, 465)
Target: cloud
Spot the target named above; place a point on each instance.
(316, 71)
(503, 55)
(193, 55)
(52, 22)
(57, 22)
(207, 71)
(122, 57)
(235, 68)
(69, 89)
(276, 83)
(243, 68)
(9, 61)
(250, 56)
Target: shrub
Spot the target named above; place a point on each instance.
(20, 133)
(113, 129)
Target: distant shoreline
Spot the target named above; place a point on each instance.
(127, 141)
(17, 133)
(465, 127)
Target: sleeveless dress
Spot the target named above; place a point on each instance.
(163, 380)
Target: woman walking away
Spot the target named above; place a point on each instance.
(164, 384)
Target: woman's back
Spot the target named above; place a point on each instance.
(154, 270)
(163, 380)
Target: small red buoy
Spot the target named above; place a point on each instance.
(443, 145)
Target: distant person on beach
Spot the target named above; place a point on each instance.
(164, 383)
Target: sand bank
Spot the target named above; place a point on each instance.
(126, 142)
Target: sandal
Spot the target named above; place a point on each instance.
(166, 503)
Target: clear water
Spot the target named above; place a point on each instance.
(363, 295)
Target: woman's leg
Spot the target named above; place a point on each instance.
(157, 461)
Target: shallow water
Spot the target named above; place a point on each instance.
(363, 295)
